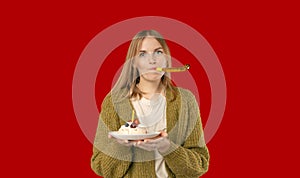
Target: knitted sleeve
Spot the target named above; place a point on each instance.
(191, 159)
(109, 158)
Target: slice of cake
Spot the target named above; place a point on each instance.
(133, 128)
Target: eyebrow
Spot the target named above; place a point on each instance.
(154, 49)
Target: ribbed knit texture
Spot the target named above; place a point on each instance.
(187, 157)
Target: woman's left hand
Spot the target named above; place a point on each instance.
(161, 143)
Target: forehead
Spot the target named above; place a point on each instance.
(150, 44)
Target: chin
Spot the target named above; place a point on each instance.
(152, 76)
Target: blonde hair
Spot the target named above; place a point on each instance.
(129, 76)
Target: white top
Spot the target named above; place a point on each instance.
(152, 113)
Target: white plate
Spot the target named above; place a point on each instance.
(116, 134)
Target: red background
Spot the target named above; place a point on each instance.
(256, 42)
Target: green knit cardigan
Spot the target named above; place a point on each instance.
(187, 156)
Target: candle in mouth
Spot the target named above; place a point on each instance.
(174, 69)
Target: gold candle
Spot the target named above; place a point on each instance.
(132, 116)
(174, 69)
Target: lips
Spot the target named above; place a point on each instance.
(152, 68)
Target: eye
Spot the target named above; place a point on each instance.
(142, 54)
(158, 52)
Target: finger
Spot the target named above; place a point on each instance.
(153, 138)
(154, 141)
(164, 134)
(122, 141)
(140, 141)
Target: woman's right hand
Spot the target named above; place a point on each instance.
(123, 142)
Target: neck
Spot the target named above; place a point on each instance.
(150, 87)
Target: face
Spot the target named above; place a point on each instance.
(150, 56)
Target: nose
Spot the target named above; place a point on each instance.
(152, 59)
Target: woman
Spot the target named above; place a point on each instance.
(179, 150)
